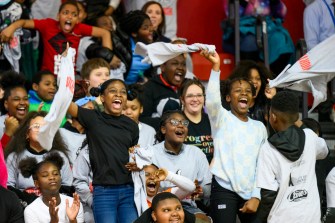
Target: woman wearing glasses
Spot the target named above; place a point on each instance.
(192, 97)
(25, 144)
(177, 157)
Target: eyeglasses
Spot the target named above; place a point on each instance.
(35, 126)
(176, 122)
(197, 96)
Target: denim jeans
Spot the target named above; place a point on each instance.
(114, 204)
(225, 205)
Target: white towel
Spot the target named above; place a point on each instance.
(158, 53)
(60, 103)
(311, 72)
(143, 157)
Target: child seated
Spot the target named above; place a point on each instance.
(286, 166)
(51, 206)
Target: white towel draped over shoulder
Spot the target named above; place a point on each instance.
(158, 53)
(61, 101)
(311, 72)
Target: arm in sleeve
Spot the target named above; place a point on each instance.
(311, 27)
(66, 172)
(183, 183)
(12, 170)
(213, 101)
(268, 199)
(321, 148)
(204, 175)
(81, 178)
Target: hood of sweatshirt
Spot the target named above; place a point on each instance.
(290, 142)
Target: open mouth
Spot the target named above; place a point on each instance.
(243, 102)
(117, 104)
(21, 111)
(178, 76)
(68, 25)
(151, 186)
(179, 133)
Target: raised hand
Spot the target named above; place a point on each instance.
(11, 124)
(131, 166)
(72, 211)
(213, 58)
(270, 92)
(53, 210)
(161, 174)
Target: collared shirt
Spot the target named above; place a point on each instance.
(318, 22)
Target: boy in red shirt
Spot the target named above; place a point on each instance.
(55, 34)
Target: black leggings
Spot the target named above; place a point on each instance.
(225, 205)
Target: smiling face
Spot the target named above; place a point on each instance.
(144, 34)
(97, 77)
(152, 185)
(175, 134)
(155, 13)
(68, 18)
(169, 211)
(174, 70)
(133, 110)
(47, 87)
(193, 100)
(34, 128)
(114, 98)
(255, 79)
(17, 103)
(239, 98)
(48, 179)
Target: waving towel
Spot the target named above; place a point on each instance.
(311, 72)
(143, 157)
(158, 53)
(61, 101)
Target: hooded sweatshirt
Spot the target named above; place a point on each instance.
(286, 176)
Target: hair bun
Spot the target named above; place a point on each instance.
(95, 91)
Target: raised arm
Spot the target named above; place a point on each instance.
(7, 33)
(105, 36)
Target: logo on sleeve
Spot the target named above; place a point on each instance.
(297, 195)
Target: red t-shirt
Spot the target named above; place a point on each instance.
(54, 40)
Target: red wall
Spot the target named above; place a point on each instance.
(199, 20)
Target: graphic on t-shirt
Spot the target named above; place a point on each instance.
(204, 142)
(58, 42)
(297, 195)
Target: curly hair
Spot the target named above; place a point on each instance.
(30, 167)
(286, 102)
(225, 86)
(19, 142)
(135, 91)
(132, 21)
(243, 70)
(162, 26)
(160, 137)
(9, 81)
(97, 91)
